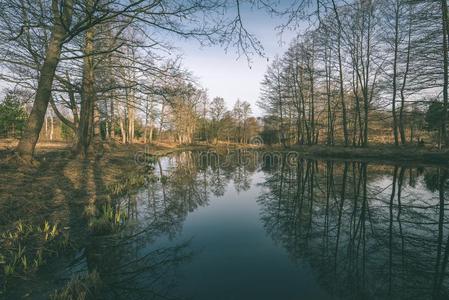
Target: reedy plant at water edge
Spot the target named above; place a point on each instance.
(25, 248)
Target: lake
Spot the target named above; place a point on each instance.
(254, 225)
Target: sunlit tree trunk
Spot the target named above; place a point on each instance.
(52, 127)
(46, 127)
(88, 94)
(30, 136)
(122, 129)
(129, 105)
(145, 130)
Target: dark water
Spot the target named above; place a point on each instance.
(254, 227)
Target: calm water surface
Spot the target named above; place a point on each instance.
(257, 227)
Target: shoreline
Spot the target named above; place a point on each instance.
(69, 192)
(375, 153)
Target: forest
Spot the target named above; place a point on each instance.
(339, 163)
(90, 72)
(370, 72)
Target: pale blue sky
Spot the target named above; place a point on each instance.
(223, 75)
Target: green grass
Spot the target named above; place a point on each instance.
(27, 247)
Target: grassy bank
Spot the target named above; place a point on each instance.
(60, 185)
(51, 206)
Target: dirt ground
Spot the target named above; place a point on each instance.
(59, 186)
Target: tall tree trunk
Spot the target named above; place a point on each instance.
(340, 71)
(122, 129)
(161, 124)
(330, 123)
(112, 117)
(445, 68)
(106, 130)
(52, 127)
(302, 111)
(145, 131)
(30, 136)
(281, 110)
(96, 134)
(366, 88)
(395, 64)
(88, 95)
(314, 139)
(404, 81)
(130, 103)
(46, 127)
(150, 135)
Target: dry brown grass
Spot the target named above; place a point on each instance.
(10, 144)
(61, 189)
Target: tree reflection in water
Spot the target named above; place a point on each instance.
(369, 231)
(128, 262)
